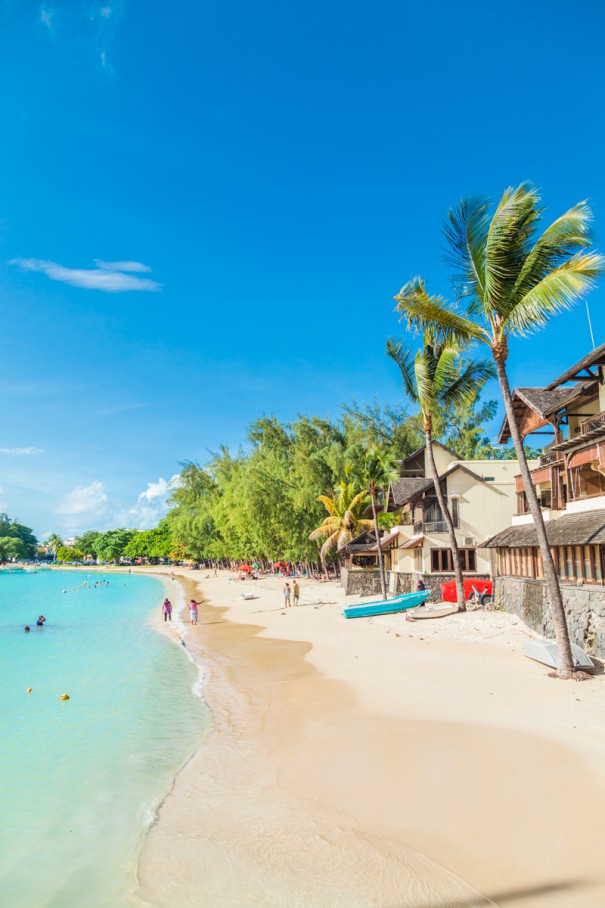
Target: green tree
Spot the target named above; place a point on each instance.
(111, 544)
(53, 543)
(436, 377)
(511, 281)
(15, 530)
(345, 521)
(88, 543)
(69, 553)
(378, 471)
(12, 548)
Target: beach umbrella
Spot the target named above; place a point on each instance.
(281, 565)
(245, 567)
(256, 566)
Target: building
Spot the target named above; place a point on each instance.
(481, 498)
(570, 482)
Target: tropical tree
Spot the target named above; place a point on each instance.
(378, 471)
(53, 543)
(436, 378)
(511, 281)
(345, 521)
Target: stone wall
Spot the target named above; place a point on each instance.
(367, 583)
(584, 608)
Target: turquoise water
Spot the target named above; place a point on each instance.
(80, 780)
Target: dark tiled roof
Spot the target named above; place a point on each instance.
(587, 528)
(543, 401)
(409, 487)
(595, 358)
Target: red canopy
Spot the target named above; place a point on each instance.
(245, 567)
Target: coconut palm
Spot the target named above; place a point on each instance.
(378, 471)
(53, 544)
(513, 282)
(434, 378)
(345, 508)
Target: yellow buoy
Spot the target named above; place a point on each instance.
(29, 690)
(65, 696)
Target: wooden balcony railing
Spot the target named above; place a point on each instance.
(553, 457)
(593, 422)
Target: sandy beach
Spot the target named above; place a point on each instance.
(378, 762)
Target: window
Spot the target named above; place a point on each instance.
(489, 479)
(441, 560)
(418, 559)
(456, 511)
(572, 563)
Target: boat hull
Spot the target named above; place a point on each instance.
(546, 652)
(432, 611)
(387, 606)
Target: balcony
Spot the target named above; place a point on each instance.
(551, 458)
(593, 424)
(433, 526)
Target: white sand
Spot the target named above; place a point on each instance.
(378, 762)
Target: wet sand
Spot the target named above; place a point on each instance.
(374, 763)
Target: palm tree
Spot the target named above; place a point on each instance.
(435, 378)
(378, 471)
(513, 282)
(53, 544)
(345, 507)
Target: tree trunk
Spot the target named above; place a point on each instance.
(550, 575)
(383, 581)
(448, 519)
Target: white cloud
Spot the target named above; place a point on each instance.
(121, 266)
(105, 11)
(21, 452)
(46, 16)
(83, 506)
(150, 506)
(109, 279)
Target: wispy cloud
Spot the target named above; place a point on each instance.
(110, 277)
(84, 506)
(46, 16)
(106, 11)
(21, 452)
(122, 266)
(150, 506)
(89, 507)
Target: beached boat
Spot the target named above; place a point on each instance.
(386, 606)
(248, 596)
(546, 652)
(438, 610)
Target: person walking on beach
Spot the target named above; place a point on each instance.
(287, 595)
(167, 610)
(193, 610)
(295, 593)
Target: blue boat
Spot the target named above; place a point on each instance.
(386, 606)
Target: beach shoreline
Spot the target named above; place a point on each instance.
(437, 757)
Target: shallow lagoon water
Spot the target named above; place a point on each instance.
(80, 780)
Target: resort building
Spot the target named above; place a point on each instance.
(570, 482)
(481, 496)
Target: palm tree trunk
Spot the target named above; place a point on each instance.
(567, 668)
(383, 582)
(448, 519)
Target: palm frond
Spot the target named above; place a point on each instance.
(562, 239)
(466, 230)
(432, 313)
(329, 504)
(557, 291)
(471, 376)
(507, 245)
(404, 357)
(425, 383)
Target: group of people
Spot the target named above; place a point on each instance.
(39, 623)
(193, 610)
(291, 595)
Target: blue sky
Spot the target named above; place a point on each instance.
(281, 170)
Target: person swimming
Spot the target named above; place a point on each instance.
(40, 621)
(26, 628)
